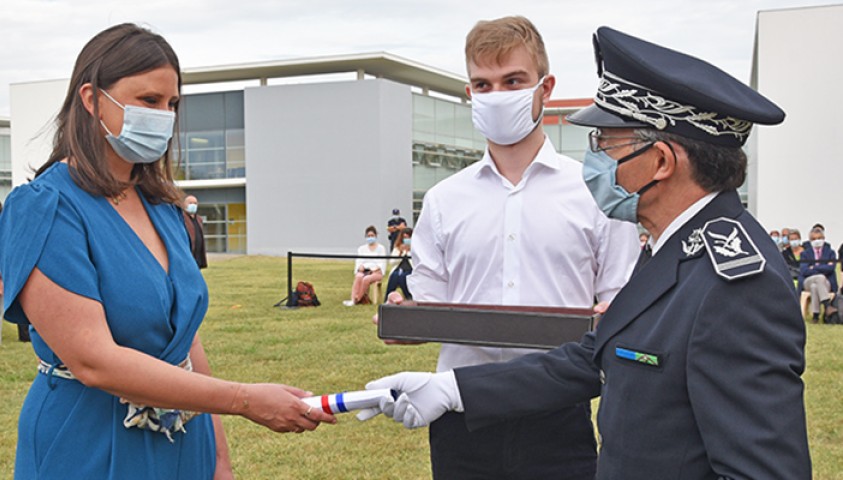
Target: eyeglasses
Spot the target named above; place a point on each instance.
(596, 137)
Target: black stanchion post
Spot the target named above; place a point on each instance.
(288, 300)
(289, 278)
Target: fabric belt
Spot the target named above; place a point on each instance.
(61, 370)
(163, 420)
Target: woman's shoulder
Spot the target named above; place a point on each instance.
(55, 181)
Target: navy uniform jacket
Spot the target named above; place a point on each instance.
(699, 373)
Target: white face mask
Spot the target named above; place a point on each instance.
(818, 243)
(145, 134)
(505, 117)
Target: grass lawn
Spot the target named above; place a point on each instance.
(334, 348)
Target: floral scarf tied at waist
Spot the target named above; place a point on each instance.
(163, 420)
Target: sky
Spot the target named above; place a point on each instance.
(41, 38)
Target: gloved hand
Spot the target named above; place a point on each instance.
(423, 398)
(386, 405)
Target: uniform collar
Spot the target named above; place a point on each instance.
(547, 156)
(682, 219)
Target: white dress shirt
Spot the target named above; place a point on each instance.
(542, 242)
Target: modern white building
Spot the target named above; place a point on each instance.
(303, 160)
(5, 157)
(796, 168)
(302, 155)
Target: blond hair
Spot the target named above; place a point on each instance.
(495, 39)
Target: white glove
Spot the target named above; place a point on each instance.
(423, 398)
(386, 405)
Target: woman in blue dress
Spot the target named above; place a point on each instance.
(95, 257)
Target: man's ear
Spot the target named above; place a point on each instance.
(549, 84)
(86, 94)
(667, 161)
(468, 91)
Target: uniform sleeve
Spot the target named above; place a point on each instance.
(40, 229)
(618, 249)
(745, 360)
(533, 384)
(429, 280)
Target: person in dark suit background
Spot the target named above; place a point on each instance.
(698, 359)
(195, 230)
(816, 272)
(791, 253)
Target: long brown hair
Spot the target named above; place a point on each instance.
(117, 52)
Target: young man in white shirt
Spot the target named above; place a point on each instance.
(518, 227)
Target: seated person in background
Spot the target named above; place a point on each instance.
(785, 238)
(792, 251)
(367, 272)
(398, 275)
(774, 236)
(817, 272)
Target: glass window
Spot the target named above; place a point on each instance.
(235, 153)
(444, 122)
(423, 114)
(445, 142)
(234, 116)
(213, 220)
(225, 226)
(463, 127)
(5, 152)
(212, 139)
(203, 112)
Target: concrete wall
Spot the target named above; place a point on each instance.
(799, 65)
(323, 161)
(34, 107)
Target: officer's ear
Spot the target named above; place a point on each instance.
(667, 161)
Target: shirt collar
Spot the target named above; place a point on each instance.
(682, 219)
(546, 156)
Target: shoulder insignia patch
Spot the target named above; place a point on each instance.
(733, 254)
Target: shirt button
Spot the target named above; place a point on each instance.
(511, 237)
(510, 284)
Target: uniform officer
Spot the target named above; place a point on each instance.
(698, 360)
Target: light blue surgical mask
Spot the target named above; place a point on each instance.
(371, 240)
(795, 243)
(600, 174)
(776, 240)
(145, 134)
(191, 208)
(406, 241)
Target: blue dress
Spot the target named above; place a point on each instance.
(67, 430)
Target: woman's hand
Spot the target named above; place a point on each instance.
(279, 408)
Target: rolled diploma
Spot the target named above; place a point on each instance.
(348, 401)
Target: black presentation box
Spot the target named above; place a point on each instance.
(484, 325)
